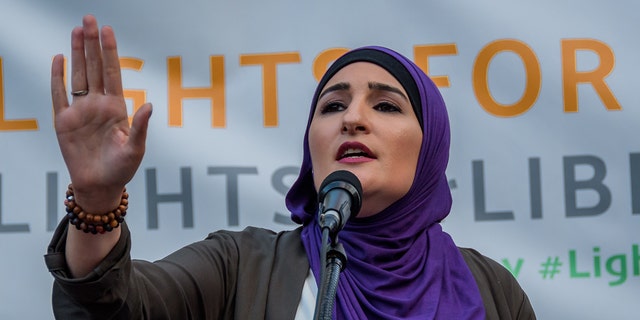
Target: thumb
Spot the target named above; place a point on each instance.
(139, 126)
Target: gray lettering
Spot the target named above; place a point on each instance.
(154, 199)
(479, 204)
(52, 200)
(232, 174)
(535, 188)
(6, 228)
(277, 182)
(634, 164)
(571, 186)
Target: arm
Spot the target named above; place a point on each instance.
(101, 151)
(95, 277)
(501, 293)
(195, 282)
(251, 274)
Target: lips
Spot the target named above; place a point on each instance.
(354, 150)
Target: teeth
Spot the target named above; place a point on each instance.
(353, 152)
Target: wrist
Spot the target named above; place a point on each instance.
(97, 200)
(95, 221)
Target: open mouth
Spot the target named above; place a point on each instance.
(353, 150)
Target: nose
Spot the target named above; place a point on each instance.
(355, 118)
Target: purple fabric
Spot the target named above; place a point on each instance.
(401, 264)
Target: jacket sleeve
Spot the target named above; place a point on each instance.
(175, 287)
(501, 293)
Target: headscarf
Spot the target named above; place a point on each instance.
(401, 264)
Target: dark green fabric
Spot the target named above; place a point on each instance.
(252, 274)
(502, 295)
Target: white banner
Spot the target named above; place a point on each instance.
(545, 161)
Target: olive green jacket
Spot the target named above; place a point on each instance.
(252, 274)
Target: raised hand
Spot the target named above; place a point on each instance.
(101, 151)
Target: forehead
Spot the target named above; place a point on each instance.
(363, 72)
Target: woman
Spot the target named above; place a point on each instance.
(374, 113)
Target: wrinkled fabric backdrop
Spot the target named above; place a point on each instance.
(542, 97)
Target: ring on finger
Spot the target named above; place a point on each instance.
(79, 93)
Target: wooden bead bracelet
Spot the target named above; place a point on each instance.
(95, 223)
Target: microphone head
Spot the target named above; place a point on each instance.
(343, 179)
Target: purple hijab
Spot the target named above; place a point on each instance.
(401, 264)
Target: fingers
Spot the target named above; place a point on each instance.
(95, 64)
(78, 70)
(93, 54)
(58, 92)
(112, 77)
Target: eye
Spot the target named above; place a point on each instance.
(387, 107)
(332, 106)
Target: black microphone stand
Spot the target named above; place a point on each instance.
(335, 259)
(339, 197)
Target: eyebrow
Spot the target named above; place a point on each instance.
(386, 87)
(336, 87)
(372, 86)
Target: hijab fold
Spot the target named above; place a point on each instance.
(401, 264)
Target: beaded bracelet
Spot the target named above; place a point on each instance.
(95, 223)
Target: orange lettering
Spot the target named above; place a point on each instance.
(269, 62)
(138, 97)
(12, 125)
(571, 77)
(324, 59)
(481, 85)
(215, 92)
(421, 56)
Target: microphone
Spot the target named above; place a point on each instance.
(340, 199)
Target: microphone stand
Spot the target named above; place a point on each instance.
(335, 259)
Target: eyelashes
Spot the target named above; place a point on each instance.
(337, 106)
(331, 107)
(387, 107)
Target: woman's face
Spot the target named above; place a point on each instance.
(364, 123)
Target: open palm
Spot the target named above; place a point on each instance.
(101, 151)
